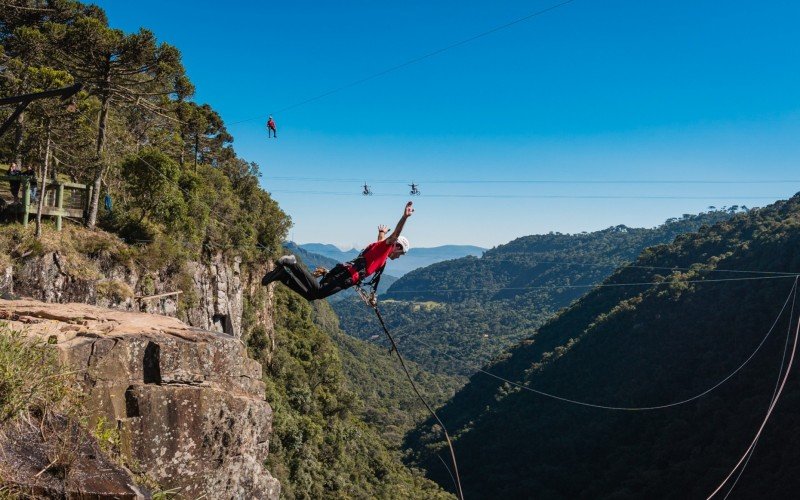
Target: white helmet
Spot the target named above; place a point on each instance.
(403, 242)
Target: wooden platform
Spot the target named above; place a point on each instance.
(62, 199)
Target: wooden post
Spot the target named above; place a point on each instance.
(26, 199)
(88, 204)
(42, 192)
(59, 204)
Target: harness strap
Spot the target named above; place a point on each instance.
(354, 274)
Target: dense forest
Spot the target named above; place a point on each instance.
(181, 193)
(453, 316)
(673, 339)
(133, 133)
(373, 373)
(327, 441)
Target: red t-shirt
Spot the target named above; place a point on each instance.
(375, 255)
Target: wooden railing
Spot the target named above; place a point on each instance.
(61, 199)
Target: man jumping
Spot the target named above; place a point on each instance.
(371, 260)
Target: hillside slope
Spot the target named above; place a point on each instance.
(321, 447)
(640, 346)
(389, 404)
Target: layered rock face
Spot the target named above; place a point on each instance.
(217, 288)
(188, 403)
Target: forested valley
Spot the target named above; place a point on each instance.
(454, 316)
(671, 379)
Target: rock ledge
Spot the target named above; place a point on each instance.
(188, 403)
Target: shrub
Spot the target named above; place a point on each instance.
(31, 379)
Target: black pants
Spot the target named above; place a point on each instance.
(307, 286)
(15, 185)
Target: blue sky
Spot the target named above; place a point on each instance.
(593, 90)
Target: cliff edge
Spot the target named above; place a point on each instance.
(188, 404)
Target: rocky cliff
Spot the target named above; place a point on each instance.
(188, 403)
(211, 292)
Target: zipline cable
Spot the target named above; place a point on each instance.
(329, 180)
(374, 307)
(535, 196)
(258, 245)
(774, 392)
(218, 219)
(629, 408)
(769, 411)
(411, 61)
(447, 468)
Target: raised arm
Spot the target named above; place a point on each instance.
(399, 228)
(382, 232)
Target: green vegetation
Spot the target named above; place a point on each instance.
(474, 308)
(35, 393)
(390, 405)
(643, 346)
(320, 447)
(132, 133)
(31, 379)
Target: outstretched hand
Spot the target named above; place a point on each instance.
(383, 229)
(409, 209)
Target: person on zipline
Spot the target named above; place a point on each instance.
(271, 129)
(372, 260)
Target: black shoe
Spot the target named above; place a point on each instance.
(273, 275)
(287, 260)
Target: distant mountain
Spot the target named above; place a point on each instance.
(477, 307)
(311, 258)
(422, 257)
(416, 257)
(681, 332)
(329, 251)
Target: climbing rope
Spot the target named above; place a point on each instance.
(769, 412)
(752, 448)
(454, 472)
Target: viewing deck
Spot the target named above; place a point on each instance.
(62, 199)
